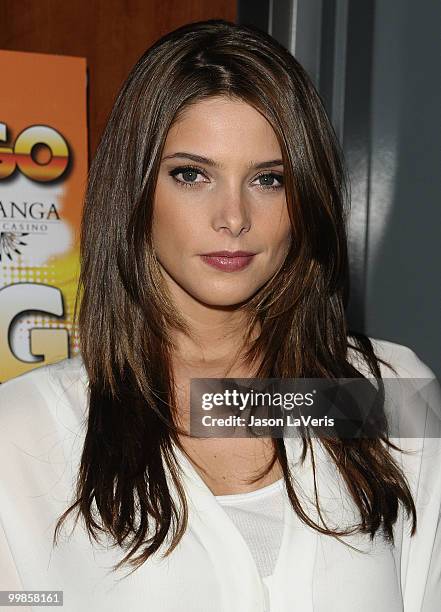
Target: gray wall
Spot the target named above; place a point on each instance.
(403, 289)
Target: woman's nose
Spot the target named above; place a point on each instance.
(232, 212)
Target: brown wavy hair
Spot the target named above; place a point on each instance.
(126, 313)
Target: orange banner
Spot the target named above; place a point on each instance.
(43, 174)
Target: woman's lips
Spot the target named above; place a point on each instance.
(228, 264)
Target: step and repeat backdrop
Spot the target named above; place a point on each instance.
(43, 174)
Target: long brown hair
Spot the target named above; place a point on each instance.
(126, 314)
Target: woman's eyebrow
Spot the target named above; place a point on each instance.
(210, 162)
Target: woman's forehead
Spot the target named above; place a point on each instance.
(216, 127)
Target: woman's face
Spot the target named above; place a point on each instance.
(220, 188)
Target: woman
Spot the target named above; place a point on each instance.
(217, 142)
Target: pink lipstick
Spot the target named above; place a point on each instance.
(228, 261)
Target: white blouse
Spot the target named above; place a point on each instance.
(42, 427)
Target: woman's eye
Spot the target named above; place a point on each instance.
(270, 180)
(189, 175)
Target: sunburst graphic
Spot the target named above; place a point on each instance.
(9, 243)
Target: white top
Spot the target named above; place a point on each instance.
(42, 428)
(258, 515)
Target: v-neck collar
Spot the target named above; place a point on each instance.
(241, 585)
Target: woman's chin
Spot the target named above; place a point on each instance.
(222, 299)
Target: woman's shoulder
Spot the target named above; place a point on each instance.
(405, 361)
(42, 426)
(48, 379)
(43, 394)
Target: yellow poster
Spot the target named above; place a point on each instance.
(43, 173)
